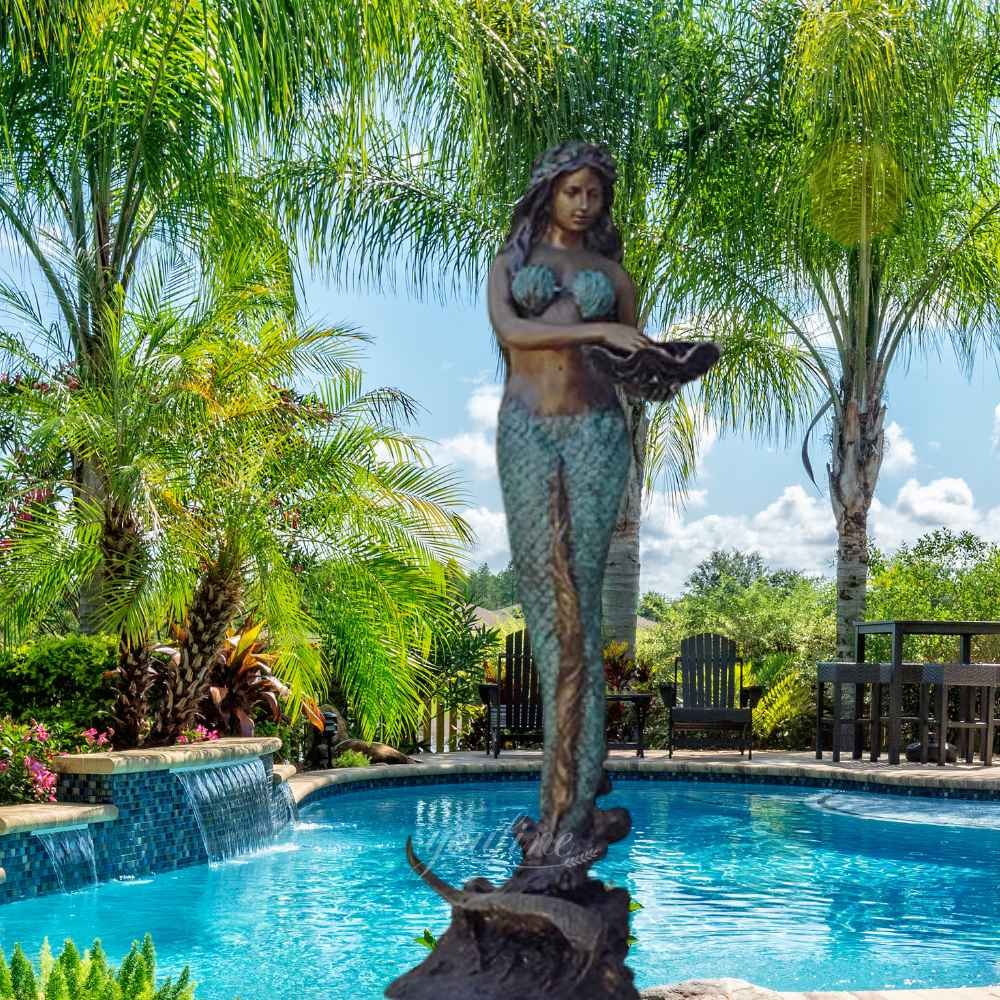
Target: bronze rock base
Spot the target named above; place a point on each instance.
(504, 956)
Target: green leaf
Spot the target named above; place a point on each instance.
(427, 939)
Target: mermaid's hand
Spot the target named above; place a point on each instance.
(623, 338)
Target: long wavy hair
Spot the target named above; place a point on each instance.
(532, 213)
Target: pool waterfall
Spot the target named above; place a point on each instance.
(232, 805)
(287, 811)
(71, 851)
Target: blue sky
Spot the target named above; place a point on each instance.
(939, 469)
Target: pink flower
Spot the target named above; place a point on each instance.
(39, 731)
(42, 778)
(182, 738)
(90, 735)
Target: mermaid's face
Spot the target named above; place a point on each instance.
(577, 200)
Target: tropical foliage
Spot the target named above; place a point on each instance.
(219, 485)
(839, 186)
(154, 138)
(782, 622)
(72, 976)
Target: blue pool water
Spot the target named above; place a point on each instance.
(790, 888)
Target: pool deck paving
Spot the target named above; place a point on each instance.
(779, 764)
(737, 989)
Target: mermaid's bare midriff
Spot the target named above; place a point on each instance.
(560, 380)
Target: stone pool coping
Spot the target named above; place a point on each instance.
(738, 989)
(45, 815)
(165, 758)
(768, 767)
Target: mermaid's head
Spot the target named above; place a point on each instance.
(533, 211)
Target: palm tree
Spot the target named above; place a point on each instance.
(618, 72)
(216, 482)
(130, 127)
(839, 184)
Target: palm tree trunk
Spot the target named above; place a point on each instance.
(134, 683)
(853, 474)
(90, 486)
(621, 580)
(215, 605)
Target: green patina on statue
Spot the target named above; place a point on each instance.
(563, 310)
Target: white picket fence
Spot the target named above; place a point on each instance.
(442, 727)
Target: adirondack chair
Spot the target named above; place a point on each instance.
(712, 697)
(514, 702)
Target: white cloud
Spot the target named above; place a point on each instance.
(941, 501)
(996, 427)
(491, 546)
(899, 451)
(476, 448)
(473, 449)
(797, 529)
(483, 405)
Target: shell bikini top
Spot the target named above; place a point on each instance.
(655, 372)
(535, 286)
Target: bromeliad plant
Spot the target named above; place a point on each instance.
(241, 684)
(72, 976)
(622, 672)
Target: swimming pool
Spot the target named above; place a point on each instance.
(794, 889)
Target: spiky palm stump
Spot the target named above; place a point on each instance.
(549, 932)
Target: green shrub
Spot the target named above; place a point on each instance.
(72, 976)
(294, 738)
(351, 758)
(61, 680)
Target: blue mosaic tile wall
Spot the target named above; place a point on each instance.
(29, 870)
(156, 831)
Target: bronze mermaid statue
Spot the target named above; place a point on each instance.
(564, 313)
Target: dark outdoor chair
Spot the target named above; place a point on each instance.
(514, 702)
(708, 678)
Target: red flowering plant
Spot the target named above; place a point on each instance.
(622, 673)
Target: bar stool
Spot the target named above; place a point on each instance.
(967, 677)
(861, 675)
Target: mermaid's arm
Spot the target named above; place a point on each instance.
(625, 293)
(513, 331)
